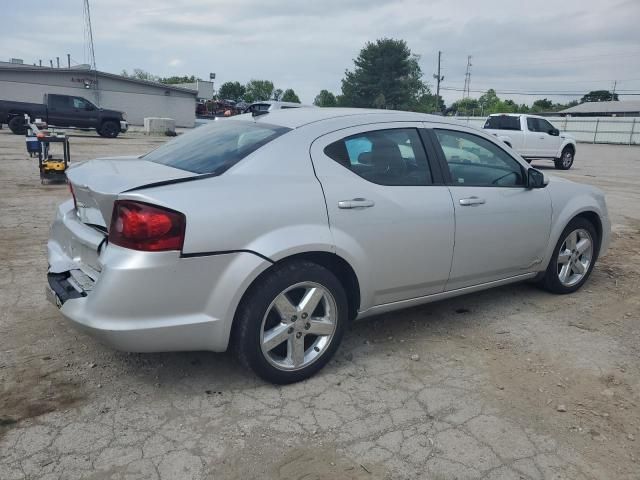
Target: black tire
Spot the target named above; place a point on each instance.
(551, 281)
(566, 159)
(256, 304)
(109, 129)
(17, 126)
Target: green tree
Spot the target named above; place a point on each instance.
(465, 107)
(427, 104)
(258, 90)
(386, 75)
(140, 74)
(231, 91)
(489, 101)
(178, 79)
(543, 105)
(290, 96)
(325, 99)
(599, 96)
(277, 94)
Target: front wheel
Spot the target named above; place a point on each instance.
(291, 322)
(109, 129)
(566, 159)
(573, 258)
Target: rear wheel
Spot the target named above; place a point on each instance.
(109, 129)
(566, 159)
(291, 322)
(17, 126)
(573, 258)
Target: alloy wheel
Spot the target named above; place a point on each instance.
(298, 326)
(574, 257)
(567, 159)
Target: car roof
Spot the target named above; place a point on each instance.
(298, 117)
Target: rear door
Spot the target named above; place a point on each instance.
(389, 212)
(502, 227)
(58, 107)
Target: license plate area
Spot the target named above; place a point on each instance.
(63, 287)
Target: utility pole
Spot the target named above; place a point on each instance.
(613, 94)
(51, 63)
(68, 60)
(467, 80)
(58, 61)
(438, 78)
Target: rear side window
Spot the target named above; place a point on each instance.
(215, 147)
(503, 122)
(58, 101)
(385, 157)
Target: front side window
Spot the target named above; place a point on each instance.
(475, 161)
(533, 125)
(544, 125)
(215, 147)
(385, 157)
(80, 103)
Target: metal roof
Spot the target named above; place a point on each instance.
(605, 107)
(25, 68)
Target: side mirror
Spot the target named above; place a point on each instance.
(554, 131)
(536, 179)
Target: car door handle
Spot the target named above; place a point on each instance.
(356, 203)
(468, 202)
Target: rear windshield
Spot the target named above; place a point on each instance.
(503, 122)
(215, 147)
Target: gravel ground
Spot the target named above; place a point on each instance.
(508, 383)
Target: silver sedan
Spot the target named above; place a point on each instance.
(269, 233)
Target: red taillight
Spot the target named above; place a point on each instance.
(73, 194)
(145, 227)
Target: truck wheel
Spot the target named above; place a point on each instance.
(109, 129)
(566, 159)
(17, 126)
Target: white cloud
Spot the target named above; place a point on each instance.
(175, 62)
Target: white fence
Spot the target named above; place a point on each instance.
(618, 130)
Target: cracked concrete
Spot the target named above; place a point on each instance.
(479, 404)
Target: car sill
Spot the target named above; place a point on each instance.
(388, 307)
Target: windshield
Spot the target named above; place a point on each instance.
(215, 147)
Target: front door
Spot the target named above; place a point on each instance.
(389, 215)
(502, 227)
(543, 143)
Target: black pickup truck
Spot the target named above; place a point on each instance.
(63, 111)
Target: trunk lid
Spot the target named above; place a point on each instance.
(97, 183)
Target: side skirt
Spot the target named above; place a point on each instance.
(412, 302)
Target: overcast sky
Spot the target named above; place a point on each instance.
(532, 46)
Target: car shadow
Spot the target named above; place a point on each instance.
(212, 373)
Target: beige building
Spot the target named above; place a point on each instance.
(137, 98)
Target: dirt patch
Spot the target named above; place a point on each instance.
(33, 393)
